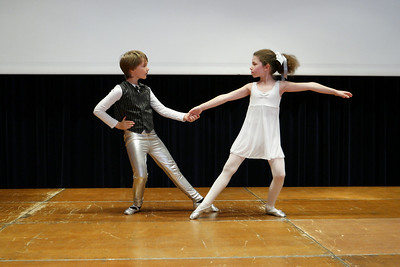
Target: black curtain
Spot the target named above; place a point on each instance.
(49, 137)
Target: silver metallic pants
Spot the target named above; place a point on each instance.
(138, 146)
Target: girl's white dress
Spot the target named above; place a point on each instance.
(260, 136)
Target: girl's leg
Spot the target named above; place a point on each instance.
(278, 177)
(231, 166)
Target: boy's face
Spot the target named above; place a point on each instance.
(140, 72)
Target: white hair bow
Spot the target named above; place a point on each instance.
(282, 59)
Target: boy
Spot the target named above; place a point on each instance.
(134, 102)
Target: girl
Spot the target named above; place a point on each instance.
(260, 133)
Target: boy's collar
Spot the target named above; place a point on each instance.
(137, 86)
(134, 85)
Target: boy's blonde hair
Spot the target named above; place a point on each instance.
(130, 60)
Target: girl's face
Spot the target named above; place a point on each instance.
(141, 71)
(257, 69)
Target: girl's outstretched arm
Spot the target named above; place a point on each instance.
(312, 86)
(221, 99)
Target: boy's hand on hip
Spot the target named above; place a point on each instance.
(124, 124)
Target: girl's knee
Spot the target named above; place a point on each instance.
(280, 176)
(229, 169)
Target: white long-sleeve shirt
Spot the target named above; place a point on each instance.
(116, 93)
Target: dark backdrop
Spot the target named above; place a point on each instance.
(49, 136)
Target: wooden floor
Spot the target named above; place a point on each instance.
(325, 226)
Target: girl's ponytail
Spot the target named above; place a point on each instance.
(292, 63)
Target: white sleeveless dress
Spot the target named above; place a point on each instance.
(260, 136)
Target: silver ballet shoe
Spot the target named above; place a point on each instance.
(212, 208)
(131, 210)
(273, 211)
(197, 212)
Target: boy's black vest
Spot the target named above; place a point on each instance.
(135, 105)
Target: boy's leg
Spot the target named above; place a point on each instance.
(164, 160)
(137, 148)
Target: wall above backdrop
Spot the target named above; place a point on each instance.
(356, 38)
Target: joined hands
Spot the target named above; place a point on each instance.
(193, 114)
(190, 118)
